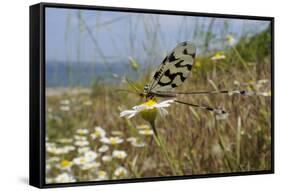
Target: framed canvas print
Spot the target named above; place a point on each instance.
(126, 95)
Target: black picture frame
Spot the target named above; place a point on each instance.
(37, 94)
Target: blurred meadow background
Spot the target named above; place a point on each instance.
(89, 55)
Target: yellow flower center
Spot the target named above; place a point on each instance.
(149, 114)
(112, 141)
(64, 163)
(149, 103)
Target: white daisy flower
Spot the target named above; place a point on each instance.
(53, 159)
(103, 148)
(143, 127)
(146, 132)
(82, 131)
(65, 165)
(117, 133)
(81, 143)
(83, 149)
(98, 133)
(65, 102)
(138, 143)
(58, 150)
(65, 140)
(218, 56)
(79, 161)
(106, 158)
(80, 138)
(87, 103)
(90, 165)
(230, 40)
(90, 156)
(120, 172)
(111, 140)
(64, 178)
(49, 180)
(119, 154)
(102, 175)
(69, 148)
(64, 108)
(150, 107)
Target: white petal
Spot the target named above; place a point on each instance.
(127, 112)
(163, 112)
(165, 103)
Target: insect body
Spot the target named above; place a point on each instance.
(173, 71)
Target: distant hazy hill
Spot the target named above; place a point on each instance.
(59, 74)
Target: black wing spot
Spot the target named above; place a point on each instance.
(171, 77)
(174, 85)
(172, 57)
(178, 65)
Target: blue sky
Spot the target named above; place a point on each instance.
(102, 36)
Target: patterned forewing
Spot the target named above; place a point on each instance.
(174, 69)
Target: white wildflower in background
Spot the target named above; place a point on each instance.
(69, 148)
(120, 172)
(81, 143)
(79, 160)
(136, 142)
(64, 178)
(143, 127)
(102, 175)
(90, 156)
(130, 139)
(87, 103)
(111, 140)
(218, 56)
(48, 167)
(103, 148)
(65, 102)
(83, 149)
(106, 158)
(59, 150)
(53, 159)
(230, 40)
(82, 131)
(117, 133)
(90, 165)
(64, 108)
(119, 154)
(49, 180)
(64, 140)
(65, 165)
(80, 138)
(98, 133)
(146, 132)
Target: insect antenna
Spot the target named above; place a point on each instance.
(229, 92)
(128, 91)
(132, 85)
(211, 109)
